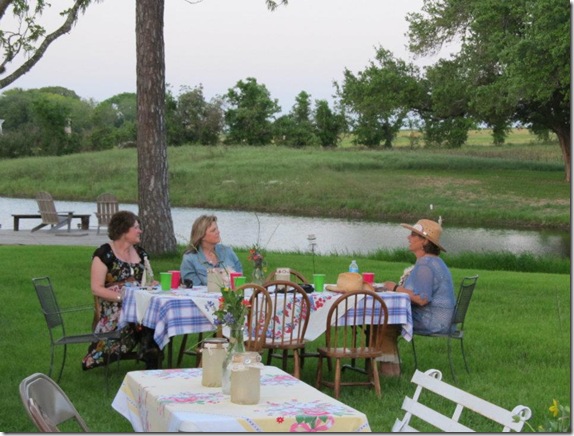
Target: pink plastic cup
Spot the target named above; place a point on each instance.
(369, 277)
(175, 279)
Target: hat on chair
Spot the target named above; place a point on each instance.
(348, 282)
(428, 229)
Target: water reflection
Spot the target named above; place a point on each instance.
(333, 236)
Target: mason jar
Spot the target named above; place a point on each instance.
(213, 353)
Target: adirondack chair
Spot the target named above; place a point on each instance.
(49, 215)
(107, 205)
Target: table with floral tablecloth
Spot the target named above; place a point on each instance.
(174, 400)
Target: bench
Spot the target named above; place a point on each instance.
(431, 381)
(85, 218)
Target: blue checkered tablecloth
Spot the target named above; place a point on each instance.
(172, 313)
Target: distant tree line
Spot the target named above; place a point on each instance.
(56, 121)
(373, 105)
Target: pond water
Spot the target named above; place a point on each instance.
(332, 236)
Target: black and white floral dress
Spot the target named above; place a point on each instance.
(119, 272)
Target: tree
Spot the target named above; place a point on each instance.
(249, 117)
(27, 33)
(516, 55)
(201, 121)
(153, 187)
(444, 108)
(42, 122)
(296, 128)
(378, 99)
(114, 122)
(328, 125)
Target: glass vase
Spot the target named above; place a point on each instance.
(258, 276)
(236, 345)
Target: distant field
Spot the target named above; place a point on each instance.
(481, 137)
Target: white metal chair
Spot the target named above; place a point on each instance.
(466, 407)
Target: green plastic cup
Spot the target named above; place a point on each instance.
(165, 280)
(319, 282)
(239, 281)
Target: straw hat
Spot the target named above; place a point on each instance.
(349, 281)
(428, 229)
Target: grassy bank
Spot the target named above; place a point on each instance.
(517, 338)
(513, 186)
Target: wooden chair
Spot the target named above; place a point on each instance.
(291, 311)
(49, 215)
(258, 317)
(437, 392)
(355, 326)
(47, 404)
(295, 276)
(107, 206)
(457, 324)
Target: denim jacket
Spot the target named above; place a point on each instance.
(194, 266)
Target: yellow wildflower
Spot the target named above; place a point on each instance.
(554, 408)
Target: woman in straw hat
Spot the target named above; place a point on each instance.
(429, 283)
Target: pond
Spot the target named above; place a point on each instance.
(332, 236)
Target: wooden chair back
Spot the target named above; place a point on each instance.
(47, 208)
(107, 206)
(289, 321)
(258, 317)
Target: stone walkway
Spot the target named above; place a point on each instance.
(59, 237)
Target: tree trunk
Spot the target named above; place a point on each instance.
(153, 188)
(564, 139)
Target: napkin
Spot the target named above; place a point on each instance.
(143, 299)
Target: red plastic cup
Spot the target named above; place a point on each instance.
(369, 277)
(232, 276)
(175, 279)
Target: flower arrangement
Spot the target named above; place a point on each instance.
(257, 258)
(232, 309)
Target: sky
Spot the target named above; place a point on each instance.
(304, 46)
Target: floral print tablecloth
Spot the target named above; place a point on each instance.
(175, 400)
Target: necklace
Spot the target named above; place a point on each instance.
(211, 256)
(124, 254)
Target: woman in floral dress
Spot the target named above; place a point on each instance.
(116, 264)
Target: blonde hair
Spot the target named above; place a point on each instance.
(198, 230)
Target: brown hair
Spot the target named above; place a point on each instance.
(198, 230)
(120, 223)
(430, 247)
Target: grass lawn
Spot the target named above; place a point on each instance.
(517, 338)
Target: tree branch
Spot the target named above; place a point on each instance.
(79, 5)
